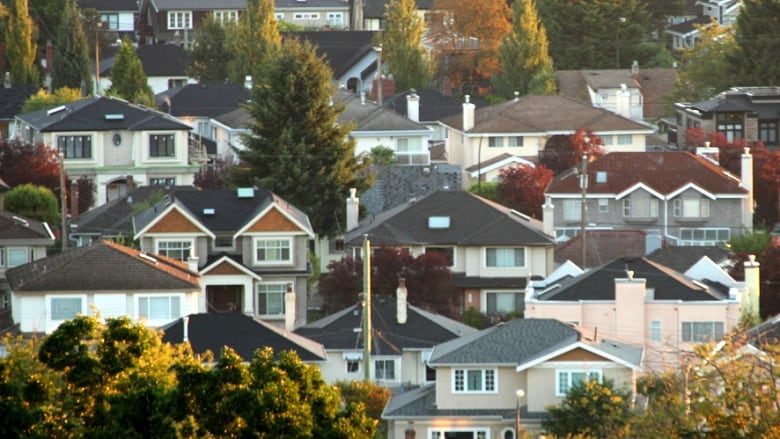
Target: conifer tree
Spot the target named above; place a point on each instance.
(756, 62)
(128, 80)
(20, 47)
(402, 47)
(210, 56)
(71, 55)
(254, 41)
(297, 149)
(523, 54)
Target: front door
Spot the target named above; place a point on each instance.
(224, 298)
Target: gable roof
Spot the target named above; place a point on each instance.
(96, 267)
(196, 5)
(602, 246)
(690, 26)
(422, 329)
(434, 105)
(681, 258)
(204, 100)
(163, 59)
(473, 220)
(341, 49)
(12, 98)
(663, 172)
(370, 117)
(16, 227)
(244, 334)
(109, 5)
(531, 114)
(89, 114)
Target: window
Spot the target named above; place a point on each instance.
(17, 256)
(655, 330)
(700, 332)
(505, 257)
(228, 16)
(270, 298)
(175, 249)
(111, 21)
(691, 207)
(495, 142)
(504, 302)
(566, 379)
(273, 251)
(572, 210)
(640, 208)
(606, 140)
(704, 236)
(162, 145)
(730, 125)
(179, 20)
(75, 147)
(767, 132)
(162, 181)
(306, 16)
(459, 433)
(515, 141)
(624, 139)
(353, 366)
(223, 240)
(174, 83)
(603, 205)
(384, 370)
(66, 308)
(336, 19)
(447, 252)
(474, 380)
(402, 144)
(279, 16)
(159, 307)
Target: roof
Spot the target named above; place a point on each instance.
(239, 118)
(194, 5)
(473, 220)
(767, 333)
(421, 403)
(681, 259)
(163, 59)
(599, 283)
(434, 105)
(690, 26)
(109, 5)
(90, 114)
(376, 8)
(311, 4)
(94, 268)
(341, 49)
(204, 100)
(244, 334)
(16, 227)
(531, 114)
(602, 246)
(422, 329)
(12, 98)
(369, 116)
(663, 172)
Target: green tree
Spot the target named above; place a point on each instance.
(210, 56)
(71, 55)
(592, 409)
(704, 68)
(402, 46)
(36, 202)
(297, 150)
(44, 99)
(382, 155)
(128, 80)
(20, 48)
(254, 42)
(755, 61)
(524, 54)
(485, 189)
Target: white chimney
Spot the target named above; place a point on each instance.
(289, 309)
(248, 82)
(751, 300)
(468, 115)
(413, 106)
(548, 217)
(400, 294)
(747, 183)
(192, 263)
(353, 209)
(7, 80)
(185, 324)
(708, 152)
(623, 98)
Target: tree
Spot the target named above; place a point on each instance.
(562, 153)
(254, 42)
(210, 56)
(44, 99)
(22, 163)
(755, 61)
(36, 202)
(71, 55)
(128, 80)
(592, 409)
(20, 48)
(522, 188)
(382, 156)
(402, 46)
(374, 397)
(524, 54)
(704, 68)
(296, 149)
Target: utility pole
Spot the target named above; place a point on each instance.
(366, 308)
(584, 188)
(63, 203)
(97, 58)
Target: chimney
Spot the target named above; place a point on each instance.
(49, 57)
(400, 295)
(289, 309)
(185, 324)
(468, 115)
(192, 263)
(709, 153)
(548, 217)
(413, 106)
(747, 183)
(353, 210)
(635, 70)
(248, 82)
(623, 106)
(750, 303)
(7, 80)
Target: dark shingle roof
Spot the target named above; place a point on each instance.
(198, 5)
(341, 49)
(16, 227)
(163, 59)
(368, 116)
(602, 246)
(434, 105)
(109, 5)
(204, 100)
(681, 259)
(12, 99)
(245, 334)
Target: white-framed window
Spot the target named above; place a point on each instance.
(515, 141)
(566, 379)
(179, 19)
(270, 251)
(495, 142)
(158, 308)
(691, 207)
(624, 139)
(162, 145)
(385, 369)
(603, 205)
(458, 433)
(226, 16)
(655, 330)
(704, 236)
(15, 256)
(270, 298)
(640, 208)
(402, 144)
(702, 332)
(606, 139)
(474, 381)
(279, 16)
(505, 257)
(66, 307)
(306, 16)
(177, 249)
(111, 21)
(572, 210)
(503, 302)
(336, 19)
(75, 147)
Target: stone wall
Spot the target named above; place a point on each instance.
(397, 184)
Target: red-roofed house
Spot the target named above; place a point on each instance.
(675, 197)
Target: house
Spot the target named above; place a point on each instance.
(685, 34)
(116, 16)
(113, 142)
(176, 21)
(22, 240)
(674, 197)
(314, 14)
(165, 66)
(251, 247)
(488, 382)
(12, 97)
(88, 280)
(740, 113)
(402, 338)
(373, 12)
(244, 334)
(724, 12)
(485, 140)
(494, 250)
(646, 303)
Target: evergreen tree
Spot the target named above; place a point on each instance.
(254, 42)
(402, 47)
(297, 149)
(756, 62)
(128, 80)
(210, 55)
(71, 55)
(523, 54)
(20, 48)
(704, 68)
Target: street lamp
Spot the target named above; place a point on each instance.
(520, 394)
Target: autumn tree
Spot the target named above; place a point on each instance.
(43, 99)
(128, 80)
(524, 56)
(71, 54)
(755, 33)
(562, 153)
(372, 395)
(704, 68)
(22, 163)
(254, 42)
(210, 55)
(591, 409)
(36, 202)
(21, 49)
(522, 188)
(402, 46)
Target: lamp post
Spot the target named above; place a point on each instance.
(520, 394)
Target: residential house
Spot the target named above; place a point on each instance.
(165, 66)
(251, 247)
(113, 142)
(486, 140)
(724, 12)
(685, 34)
(373, 12)
(507, 374)
(244, 334)
(22, 240)
(644, 302)
(314, 14)
(116, 16)
(740, 113)
(401, 342)
(12, 97)
(88, 280)
(675, 197)
(494, 250)
(176, 21)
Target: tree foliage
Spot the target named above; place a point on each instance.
(591, 409)
(71, 54)
(704, 68)
(297, 149)
(755, 60)
(128, 80)
(22, 163)
(522, 188)
(36, 202)
(562, 153)
(402, 46)
(254, 42)
(43, 99)
(210, 54)
(21, 49)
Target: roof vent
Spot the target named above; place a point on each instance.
(55, 110)
(246, 192)
(208, 211)
(438, 222)
(114, 116)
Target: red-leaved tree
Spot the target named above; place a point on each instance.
(562, 153)
(522, 188)
(22, 163)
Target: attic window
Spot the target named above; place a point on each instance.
(601, 177)
(438, 222)
(114, 116)
(55, 110)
